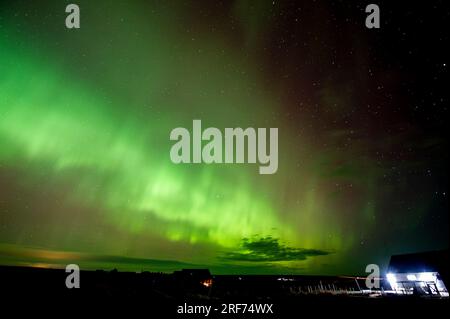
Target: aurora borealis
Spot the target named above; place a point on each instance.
(85, 118)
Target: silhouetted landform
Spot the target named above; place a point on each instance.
(165, 292)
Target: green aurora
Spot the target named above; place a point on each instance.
(85, 117)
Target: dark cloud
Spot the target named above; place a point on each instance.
(268, 249)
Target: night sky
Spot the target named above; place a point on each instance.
(85, 118)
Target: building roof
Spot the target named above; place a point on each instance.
(432, 261)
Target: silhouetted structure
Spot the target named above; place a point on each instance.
(420, 273)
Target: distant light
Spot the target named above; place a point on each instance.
(207, 282)
(391, 278)
(411, 277)
(392, 281)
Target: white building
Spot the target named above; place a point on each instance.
(422, 274)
